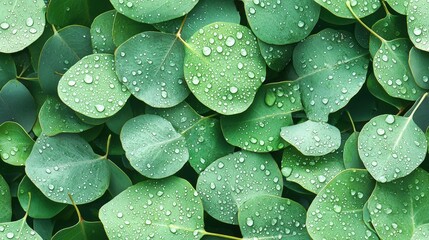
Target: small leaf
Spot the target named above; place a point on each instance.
(340, 206)
(351, 152)
(288, 21)
(398, 208)
(82, 230)
(15, 144)
(149, 11)
(224, 72)
(92, 88)
(22, 22)
(5, 201)
(153, 146)
(101, 33)
(18, 229)
(283, 218)
(234, 179)
(65, 164)
(400, 6)
(391, 147)
(150, 65)
(361, 8)
(124, 28)
(168, 208)
(312, 138)
(417, 22)
(276, 56)
(418, 62)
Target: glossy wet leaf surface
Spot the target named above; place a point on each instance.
(399, 6)
(5, 201)
(234, 179)
(8, 69)
(82, 230)
(18, 230)
(417, 22)
(419, 66)
(390, 27)
(169, 208)
(339, 8)
(276, 56)
(15, 144)
(101, 33)
(223, 67)
(124, 28)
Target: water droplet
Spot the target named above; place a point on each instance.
(129, 4)
(301, 24)
(286, 171)
(10, 235)
(88, 78)
(120, 215)
(71, 83)
(321, 178)
(417, 31)
(249, 222)
(233, 89)
(390, 119)
(29, 22)
(385, 58)
(380, 131)
(337, 208)
(5, 156)
(230, 41)
(195, 80)
(4, 25)
(252, 10)
(207, 51)
(99, 107)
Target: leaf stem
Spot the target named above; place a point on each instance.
(383, 2)
(219, 235)
(107, 146)
(351, 120)
(179, 32)
(362, 23)
(75, 207)
(28, 79)
(418, 104)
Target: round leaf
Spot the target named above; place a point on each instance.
(124, 28)
(276, 56)
(18, 230)
(419, 66)
(339, 7)
(378, 91)
(399, 6)
(65, 164)
(236, 178)
(223, 67)
(272, 217)
(391, 147)
(92, 88)
(390, 27)
(399, 208)
(5, 201)
(153, 146)
(22, 22)
(149, 11)
(101, 32)
(337, 211)
(418, 23)
(168, 208)
(15, 144)
(281, 22)
(312, 138)
(150, 65)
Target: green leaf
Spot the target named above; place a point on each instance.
(119, 180)
(124, 28)
(5, 201)
(337, 211)
(312, 138)
(150, 65)
(312, 173)
(65, 164)
(149, 11)
(224, 72)
(418, 62)
(41, 206)
(378, 91)
(288, 21)
(276, 56)
(204, 13)
(18, 230)
(400, 6)
(391, 147)
(236, 178)
(392, 71)
(36, 47)
(22, 22)
(92, 88)
(55, 118)
(351, 153)
(389, 28)
(101, 33)
(7, 69)
(153, 146)
(15, 144)
(61, 51)
(417, 22)
(339, 8)
(285, 219)
(168, 208)
(332, 68)
(82, 230)
(398, 208)
(17, 104)
(118, 120)
(257, 129)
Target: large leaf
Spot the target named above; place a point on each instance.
(150, 65)
(272, 217)
(15, 144)
(236, 178)
(65, 164)
(288, 21)
(418, 24)
(332, 68)
(399, 209)
(312, 138)
(5, 201)
(168, 209)
(223, 67)
(153, 146)
(149, 11)
(391, 147)
(337, 211)
(92, 88)
(22, 22)
(339, 7)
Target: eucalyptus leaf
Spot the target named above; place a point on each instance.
(391, 147)
(155, 149)
(82, 230)
(18, 229)
(351, 152)
(124, 28)
(118, 120)
(5, 201)
(339, 206)
(168, 208)
(119, 180)
(339, 8)
(417, 22)
(390, 27)
(101, 33)
(272, 217)
(15, 144)
(7, 69)
(400, 6)
(276, 56)
(234, 179)
(65, 164)
(418, 61)
(312, 138)
(378, 91)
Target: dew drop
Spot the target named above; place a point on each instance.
(4, 25)
(29, 22)
(233, 89)
(390, 119)
(230, 41)
(88, 78)
(99, 107)
(249, 222)
(207, 51)
(417, 31)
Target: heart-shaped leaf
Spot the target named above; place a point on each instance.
(5, 201)
(223, 67)
(168, 208)
(15, 144)
(92, 88)
(236, 178)
(418, 23)
(153, 146)
(65, 164)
